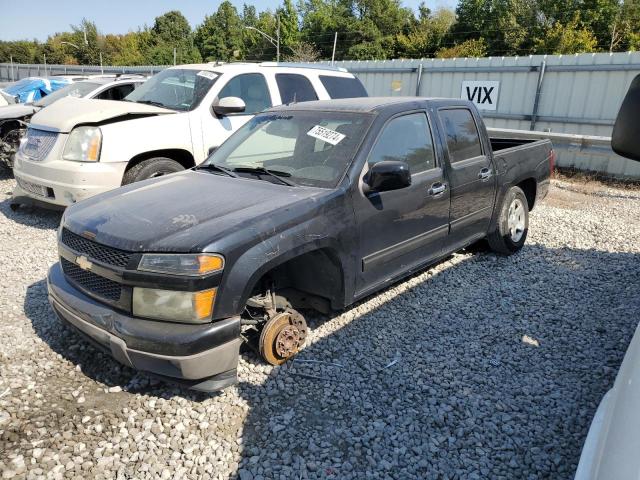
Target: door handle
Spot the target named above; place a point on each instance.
(484, 174)
(437, 189)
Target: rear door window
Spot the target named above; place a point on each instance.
(463, 140)
(406, 139)
(295, 88)
(252, 89)
(343, 87)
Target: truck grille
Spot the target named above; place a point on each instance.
(100, 286)
(39, 143)
(95, 251)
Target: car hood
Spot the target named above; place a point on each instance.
(68, 112)
(17, 110)
(184, 212)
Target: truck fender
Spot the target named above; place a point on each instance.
(239, 282)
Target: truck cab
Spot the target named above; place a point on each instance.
(77, 148)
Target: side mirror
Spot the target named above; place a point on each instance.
(387, 175)
(228, 105)
(625, 139)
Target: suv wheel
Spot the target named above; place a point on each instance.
(151, 168)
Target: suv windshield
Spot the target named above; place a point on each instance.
(312, 148)
(79, 89)
(175, 88)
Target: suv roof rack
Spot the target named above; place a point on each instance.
(316, 66)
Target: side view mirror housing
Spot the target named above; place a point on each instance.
(387, 175)
(228, 105)
(625, 139)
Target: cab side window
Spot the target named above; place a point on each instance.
(463, 140)
(406, 139)
(252, 89)
(295, 88)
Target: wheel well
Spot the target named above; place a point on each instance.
(311, 280)
(183, 157)
(7, 126)
(529, 187)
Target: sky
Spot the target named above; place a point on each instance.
(41, 18)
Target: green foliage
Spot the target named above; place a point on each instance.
(569, 38)
(467, 49)
(367, 29)
(220, 36)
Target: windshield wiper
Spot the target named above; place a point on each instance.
(272, 173)
(152, 102)
(213, 166)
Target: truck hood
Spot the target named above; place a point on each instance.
(68, 112)
(17, 110)
(184, 212)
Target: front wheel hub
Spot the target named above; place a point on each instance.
(282, 337)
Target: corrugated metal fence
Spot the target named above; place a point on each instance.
(571, 94)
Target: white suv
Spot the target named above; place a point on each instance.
(77, 148)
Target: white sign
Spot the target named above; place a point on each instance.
(326, 135)
(484, 94)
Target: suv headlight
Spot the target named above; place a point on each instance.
(192, 265)
(83, 145)
(174, 306)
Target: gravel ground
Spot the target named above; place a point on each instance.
(481, 367)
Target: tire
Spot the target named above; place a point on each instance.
(151, 168)
(513, 223)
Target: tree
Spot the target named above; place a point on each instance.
(508, 26)
(427, 36)
(468, 49)
(302, 52)
(289, 25)
(220, 36)
(566, 39)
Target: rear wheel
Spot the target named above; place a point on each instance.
(151, 168)
(513, 223)
(282, 337)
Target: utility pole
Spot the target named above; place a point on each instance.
(101, 69)
(11, 60)
(278, 38)
(333, 55)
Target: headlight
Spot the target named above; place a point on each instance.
(83, 145)
(187, 307)
(181, 264)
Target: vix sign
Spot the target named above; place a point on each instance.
(483, 93)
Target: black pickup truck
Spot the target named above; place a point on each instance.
(308, 206)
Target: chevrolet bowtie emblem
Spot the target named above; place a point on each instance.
(84, 263)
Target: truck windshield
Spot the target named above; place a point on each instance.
(312, 148)
(175, 89)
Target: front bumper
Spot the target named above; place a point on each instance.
(204, 357)
(63, 182)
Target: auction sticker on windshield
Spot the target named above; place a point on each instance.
(326, 135)
(206, 74)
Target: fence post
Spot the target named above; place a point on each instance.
(419, 80)
(536, 102)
